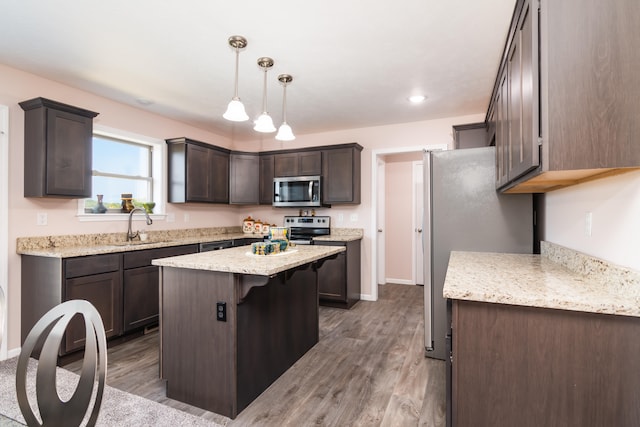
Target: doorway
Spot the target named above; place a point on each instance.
(380, 200)
(4, 224)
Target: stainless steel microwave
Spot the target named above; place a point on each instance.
(297, 191)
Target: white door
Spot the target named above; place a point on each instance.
(418, 207)
(381, 256)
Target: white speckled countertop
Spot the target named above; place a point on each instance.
(68, 246)
(241, 260)
(559, 278)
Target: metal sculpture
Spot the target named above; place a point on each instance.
(50, 329)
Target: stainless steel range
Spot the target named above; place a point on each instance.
(305, 228)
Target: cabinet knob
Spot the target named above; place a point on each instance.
(379, 230)
(419, 230)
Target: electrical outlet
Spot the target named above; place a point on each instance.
(221, 311)
(588, 224)
(340, 218)
(41, 218)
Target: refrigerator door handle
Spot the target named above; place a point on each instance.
(427, 250)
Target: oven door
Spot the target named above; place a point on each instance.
(296, 191)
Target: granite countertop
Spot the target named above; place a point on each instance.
(241, 260)
(559, 279)
(69, 246)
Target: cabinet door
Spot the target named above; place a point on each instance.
(266, 180)
(502, 131)
(285, 164)
(207, 175)
(310, 163)
(198, 181)
(523, 151)
(140, 297)
(341, 176)
(244, 179)
(104, 291)
(332, 279)
(219, 176)
(69, 157)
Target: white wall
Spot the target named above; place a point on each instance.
(615, 207)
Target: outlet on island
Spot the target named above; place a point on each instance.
(221, 311)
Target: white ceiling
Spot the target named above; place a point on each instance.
(354, 62)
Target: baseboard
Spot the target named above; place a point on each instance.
(398, 281)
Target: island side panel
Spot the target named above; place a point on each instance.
(198, 351)
(277, 324)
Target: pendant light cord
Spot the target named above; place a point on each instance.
(235, 94)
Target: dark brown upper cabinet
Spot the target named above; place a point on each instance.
(266, 179)
(198, 172)
(244, 181)
(562, 107)
(341, 174)
(57, 149)
(299, 163)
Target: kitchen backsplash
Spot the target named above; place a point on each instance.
(613, 275)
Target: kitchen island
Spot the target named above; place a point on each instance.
(232, 322)
(541, 340)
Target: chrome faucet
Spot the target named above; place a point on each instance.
(130, 234)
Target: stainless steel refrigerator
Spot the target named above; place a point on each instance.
(463, 212)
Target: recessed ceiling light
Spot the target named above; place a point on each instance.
(416, 99)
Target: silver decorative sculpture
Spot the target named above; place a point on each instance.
(53, 411)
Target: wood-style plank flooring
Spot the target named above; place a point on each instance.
(368, 369)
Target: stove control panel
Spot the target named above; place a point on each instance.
(307, 221)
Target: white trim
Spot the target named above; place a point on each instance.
(90, 217)
(374, 202)
(4, 222)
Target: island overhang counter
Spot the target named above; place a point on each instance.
(232, 322)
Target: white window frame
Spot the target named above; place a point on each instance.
(158, 154)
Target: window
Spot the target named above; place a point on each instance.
(124, 164)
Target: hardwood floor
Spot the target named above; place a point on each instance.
(368, 369)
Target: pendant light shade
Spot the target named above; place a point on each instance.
(264, 123)
(284, 132)
(235, 110)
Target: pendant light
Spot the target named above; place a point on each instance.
(284, 132)
(264, 123)
(235, 110)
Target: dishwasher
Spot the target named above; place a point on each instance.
(214, 246)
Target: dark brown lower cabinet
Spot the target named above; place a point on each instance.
(526, 366)
(140, 285)
(141, 299)
(122, 286)
(104, 291)
(339, 278)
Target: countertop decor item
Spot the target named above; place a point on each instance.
(247, 225)
(100, 208)
(127, 202)
(148, 206)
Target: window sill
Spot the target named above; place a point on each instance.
(138, 216)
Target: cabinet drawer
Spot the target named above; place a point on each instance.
(87, 265)
(143, 258)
